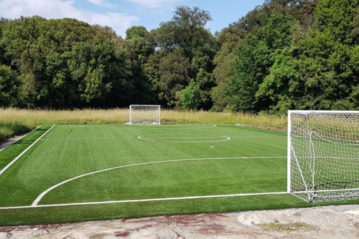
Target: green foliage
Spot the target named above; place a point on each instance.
(224, 60)
(9, 86)
(283, 54)
(10, 129)
(94, 88)
(253, 60)
(63, 63)
(185, 50)
(336, 18)
(320, 71)
(190, 97)
(185, 30)
(174, 75)
(138, 47)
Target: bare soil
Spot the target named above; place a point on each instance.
(319, 222)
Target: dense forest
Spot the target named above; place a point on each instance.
(285, 54)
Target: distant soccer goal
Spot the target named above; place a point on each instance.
(323, 155)
(145, 114)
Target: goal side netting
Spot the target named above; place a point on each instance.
(323, 155)
(145, 114)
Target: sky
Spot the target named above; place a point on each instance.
(122, 14)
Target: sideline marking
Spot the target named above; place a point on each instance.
(38, 198)
(23, 152)
(145, 200)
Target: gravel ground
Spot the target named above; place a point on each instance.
(319, 222)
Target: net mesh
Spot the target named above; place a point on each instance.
(324, 155)
(145, 114)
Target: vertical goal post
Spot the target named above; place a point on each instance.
(145, 114)
(323, 155)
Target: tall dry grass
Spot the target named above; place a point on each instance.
(114, 116)
(205, 117)
(14, 118)
(40, 117)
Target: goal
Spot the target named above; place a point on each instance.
(145, 114)
(323, 155)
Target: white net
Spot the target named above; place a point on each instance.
(323, 155)
(145, 114)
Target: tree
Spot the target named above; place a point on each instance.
(9, 86)
(93, 87)
(190, 97)
(253, 60)
(336, 18)
(230, 39)
(186, 38)
(320, 71)
(185, 30)
(65, 63)
(173, 72)
(138, 47)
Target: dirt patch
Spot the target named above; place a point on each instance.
(287, 227)
(273, 128)
(127, 232)
(320, 222)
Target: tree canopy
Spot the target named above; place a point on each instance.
(285, 54)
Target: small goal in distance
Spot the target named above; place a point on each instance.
(145, 114)
(323, 155)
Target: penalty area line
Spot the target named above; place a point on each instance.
(27, 149)
(145, 200)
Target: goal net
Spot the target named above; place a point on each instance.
(323, 155)
(145, 114)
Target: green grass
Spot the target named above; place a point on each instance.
(69, 151)
(10, 129)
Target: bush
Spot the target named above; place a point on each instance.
(8, 130)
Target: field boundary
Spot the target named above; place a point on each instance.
(207, 139)
(145, 200)
(25, 150)
(10, 141)
(41, 195)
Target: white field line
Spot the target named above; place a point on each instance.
(151, 138)
(145, 200)
(167, 139)
(54, 139)
(23, 152)
(38, 199)
(259, 136)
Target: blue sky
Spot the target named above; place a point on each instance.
(122, 14)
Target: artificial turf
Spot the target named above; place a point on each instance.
(187, 160)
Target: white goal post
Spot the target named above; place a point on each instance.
(323, 155)
(145, 114)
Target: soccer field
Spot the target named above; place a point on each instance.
(87, 172)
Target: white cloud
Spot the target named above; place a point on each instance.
(60, 9)
(102, 3)
(152, 3)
